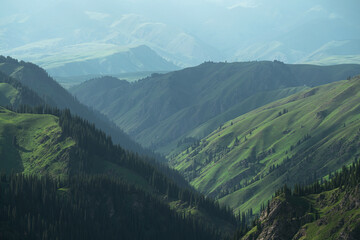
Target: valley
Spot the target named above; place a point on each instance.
(261, 136)
(169, 112)
(294, 140)
(181, 120)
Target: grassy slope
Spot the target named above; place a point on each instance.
(336, 216)
(36, 79)
(330, 114)
(7, 94)
(38, 148)
(163, 109)
(250, 103)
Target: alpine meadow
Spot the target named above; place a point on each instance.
(202, 119)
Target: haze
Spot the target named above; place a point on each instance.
(185, 33)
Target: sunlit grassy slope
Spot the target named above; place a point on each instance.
(167, 112)
(35, 144)
(32, 144)
(337, 216)
(293, 140)
(7, 94)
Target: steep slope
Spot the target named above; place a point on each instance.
(328, 210)
(57, 145)
(89, 208)
(32, 144)
(14, 94)
(163, 110)
(294, 140)
(36, 79)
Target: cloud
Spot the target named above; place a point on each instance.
(316, 8)
(245, 4)
(334, 16)
(96, 15)
(23, 20)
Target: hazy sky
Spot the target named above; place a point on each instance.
(208, 28)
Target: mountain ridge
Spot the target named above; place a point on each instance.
(293, 140)
(163, 109)
(39, 81)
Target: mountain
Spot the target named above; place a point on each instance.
(32, 144)
(293, 140)
(346, 51)
(185, 33)
(171, 111)
(323, 210)
(137, 59)
(14, 94)
(67, 160)
(89, 208)
(37, 79)
(68, 82)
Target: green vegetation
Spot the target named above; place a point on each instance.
(297, 139)
(91, 207)
(54, 143)
(7, 94)
(32, 79)
(66, 179)
(326, 209)
(32, 144)
(164, 111)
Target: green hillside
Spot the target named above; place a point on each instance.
(37, 80)
(46, 141)
(14, 94)
(328, 209)
(7, 94)
(168, 112)
(32, 144)
(294, 140)
(53, 143)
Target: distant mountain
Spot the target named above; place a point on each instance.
(171, 111)
(190, 34)
(137, 59)
(68, 82)
(38, 80)
(297, 139)
(333, 52)
(110, 41)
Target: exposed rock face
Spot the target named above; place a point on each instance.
(279, 221)
(287, 217)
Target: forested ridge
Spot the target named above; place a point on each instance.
(24, 96)
(37, 80)
(169, 112)
(89, 179)
(326, 209)
(89, 207)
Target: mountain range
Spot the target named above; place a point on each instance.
(168, 112)
(36, 79)
(245, 31)
(45, 149)
(297, 139)
(285, 148)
